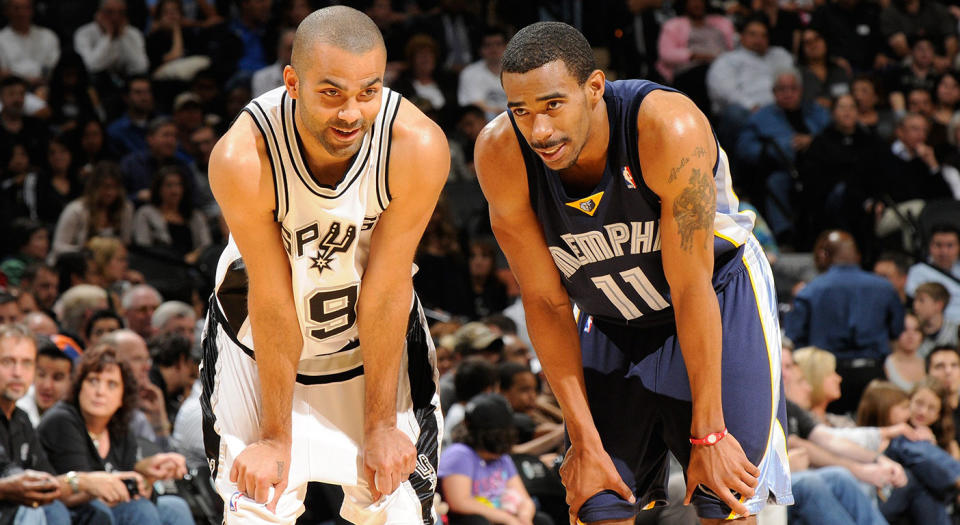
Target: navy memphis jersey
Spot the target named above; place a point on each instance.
(607, 244)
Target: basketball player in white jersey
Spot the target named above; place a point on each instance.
(317, 366)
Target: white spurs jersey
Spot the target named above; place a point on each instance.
(325, 231)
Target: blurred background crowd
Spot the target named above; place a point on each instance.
(840, 118)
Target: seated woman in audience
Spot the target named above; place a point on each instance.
(170, 221)
(929, 409)
(56, 183)
(819, 367)
(90, 147)
(89, 432)
(489, 292)
(946, 99)
(107, 267)
(689, 43)
(934, 475)
(824, 76)
(478, 479)
(102, 211)
(903, 366)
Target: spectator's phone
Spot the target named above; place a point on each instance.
(132, 488)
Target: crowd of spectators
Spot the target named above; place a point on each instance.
(840, 119)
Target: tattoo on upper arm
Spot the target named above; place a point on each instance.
(699, 152)
(695, 207)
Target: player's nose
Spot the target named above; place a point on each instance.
(542, 128)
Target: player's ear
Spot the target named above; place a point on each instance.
(595, 85)
(290, 81)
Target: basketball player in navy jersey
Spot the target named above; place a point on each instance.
(615, 196)
(307, 347)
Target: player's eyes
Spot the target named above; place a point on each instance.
(554, 104)
(329, 92)
(370, 92)
(519, 112)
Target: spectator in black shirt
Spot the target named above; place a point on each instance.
(905, 20)
(919, 74)
(27, 483)
(911, 170)
(173, 369)
(89, 432)
(784, 25)
(877, 120)
(852, 30)
(15, 126)
(943, 364)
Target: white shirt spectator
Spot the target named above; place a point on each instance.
(126, 54)
(32, 104)
(925, 273)
(481, 87)
(745, 78)
(30, 56)
(187, 436)
(266, 79)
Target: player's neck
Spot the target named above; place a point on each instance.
(593, 157)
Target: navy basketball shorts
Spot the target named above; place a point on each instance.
(639, 395)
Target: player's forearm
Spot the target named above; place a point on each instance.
(277, 332)
(382, 314)
(698, 330)
(554, 335)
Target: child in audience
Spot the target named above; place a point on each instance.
(929, 409)
(478, 479)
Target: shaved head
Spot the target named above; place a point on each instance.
(339, 26)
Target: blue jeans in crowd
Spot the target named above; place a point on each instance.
(169, 510)
(831, 496)
(54, 513)
(933, 478)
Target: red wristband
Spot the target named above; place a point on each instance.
(709, 439)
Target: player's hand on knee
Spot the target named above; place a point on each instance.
(587, 471)
(722, 467)
(260, 467)
(389, 458)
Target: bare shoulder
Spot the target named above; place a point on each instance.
(239, 171)
(419, 152)
(669, 116)
(672, 133)
(499, 161)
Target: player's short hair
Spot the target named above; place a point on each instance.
(340, 26)
(935, 291)
(539, 44)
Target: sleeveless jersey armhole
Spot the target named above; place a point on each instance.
(281, 197)
(388, 116)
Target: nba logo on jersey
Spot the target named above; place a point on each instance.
(589, 326)
(628, 177)
(233, 500)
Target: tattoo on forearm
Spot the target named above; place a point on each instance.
(699, 152)
(695, 207)
(279, 471)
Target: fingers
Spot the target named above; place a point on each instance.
(371, 481)
(278, 490)
(624, 491)
(727, 497)
(690, 488)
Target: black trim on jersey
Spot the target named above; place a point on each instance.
(357, 166)
(232, 295)
(330, 378)
(273, 167)
(283, 170)
(528, 157)
(211, 440)
(419, 366)
(424, 483)
(420, 372)
(386, 169)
